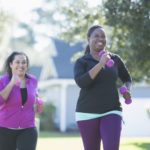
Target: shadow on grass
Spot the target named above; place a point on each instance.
(55, 134)
(143, 145)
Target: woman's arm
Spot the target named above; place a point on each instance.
(127, 95)
(39, 103)
(84, 78)
(6, 91)
(128, 85)
(97, 68)
(125, 77)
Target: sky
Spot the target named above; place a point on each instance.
(22, 8)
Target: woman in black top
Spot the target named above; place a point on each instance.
(98, 111)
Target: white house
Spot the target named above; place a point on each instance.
(137, 120)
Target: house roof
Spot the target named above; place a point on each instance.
(35, 70)
(62, 60)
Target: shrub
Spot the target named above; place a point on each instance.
(46, 117)
(148, 111)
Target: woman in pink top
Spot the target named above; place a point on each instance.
(18, 94)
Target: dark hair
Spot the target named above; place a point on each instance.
(90, 31)
(10, 59)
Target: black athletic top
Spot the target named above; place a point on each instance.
(24, 95)
(99, 95)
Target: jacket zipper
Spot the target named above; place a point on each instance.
(22, 107)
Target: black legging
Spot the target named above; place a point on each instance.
(23, 139)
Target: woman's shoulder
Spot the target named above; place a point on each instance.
(4, 80)
(4, 77)
(114, 56)
(117, 58)
(31, 77)
(84, 58)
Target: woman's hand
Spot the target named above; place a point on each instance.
(6, 91)
(127, 95)
(104, 58)
(14, 79)
(39, 106)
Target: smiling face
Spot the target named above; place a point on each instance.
(97, 40)
(19, 65)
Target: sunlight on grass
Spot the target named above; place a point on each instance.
(73, 141)
(135, 143)
(60, 144)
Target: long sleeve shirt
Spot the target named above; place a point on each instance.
(99, 95)
(12, 113)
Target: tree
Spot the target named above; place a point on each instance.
(78, 17)
(130, 21)
(127, 26)
(9, 43)
(6, 21)
(28, 38)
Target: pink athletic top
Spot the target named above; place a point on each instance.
(12, 113)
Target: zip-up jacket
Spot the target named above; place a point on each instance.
(99, 95)
(12, 113)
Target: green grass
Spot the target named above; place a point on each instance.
(135, 143)
(73, 141)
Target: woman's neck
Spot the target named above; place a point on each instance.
(22, 77)
(95, 55)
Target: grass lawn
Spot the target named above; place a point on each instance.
(72, 141)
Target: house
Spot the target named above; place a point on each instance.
(136, 117)
(58, 86)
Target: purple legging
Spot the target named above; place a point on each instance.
(107, 128)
